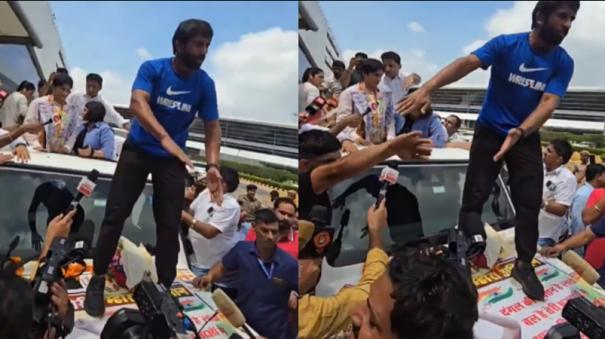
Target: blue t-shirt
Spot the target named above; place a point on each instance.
(174, 101)
(519, 77)
(263, 291)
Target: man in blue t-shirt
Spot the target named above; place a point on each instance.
(166, 96)
(529, 76)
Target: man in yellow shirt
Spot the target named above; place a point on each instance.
(321, 317)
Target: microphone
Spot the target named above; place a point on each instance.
(318, 216)
(315, 106)
(82, 241)
(305, 232)
(85, 188)
(230, 310)
(388, 176)
(48, 122)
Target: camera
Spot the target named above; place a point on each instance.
(583, 317)
(323, 234)
(159, 316)
(62, 253)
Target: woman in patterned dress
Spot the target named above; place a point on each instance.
(374, 104)
(60, 135)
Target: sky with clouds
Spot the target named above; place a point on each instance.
(429, 35)
(252, 58)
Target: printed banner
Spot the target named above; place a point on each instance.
(198, 305)
(502, 296)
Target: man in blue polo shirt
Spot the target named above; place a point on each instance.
(267, 275)
(529, 75)
(166, 96)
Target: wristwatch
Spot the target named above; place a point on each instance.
(522, 131)
(192, 225)
(208, 165)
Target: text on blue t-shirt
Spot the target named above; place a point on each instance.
(519, 77)
(174, 101)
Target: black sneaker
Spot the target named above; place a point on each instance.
(94, 303)
(524, 273)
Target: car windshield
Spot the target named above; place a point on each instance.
(425, 200)
(19, 186)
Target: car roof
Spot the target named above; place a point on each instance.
(70, 164)
(438, 156)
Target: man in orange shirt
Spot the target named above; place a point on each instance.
(285, 209)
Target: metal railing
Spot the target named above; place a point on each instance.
(253, 136)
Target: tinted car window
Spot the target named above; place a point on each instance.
(425, 200)
(18, 186)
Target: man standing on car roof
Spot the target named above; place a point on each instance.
(529, 76)
(166, 95)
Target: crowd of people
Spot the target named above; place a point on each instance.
(75, 123)
(369, 112)
(371, 90)
(220, 238)
(240, 244)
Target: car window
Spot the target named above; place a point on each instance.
(18, 188)
(425, 200)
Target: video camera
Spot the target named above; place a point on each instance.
(62, 253)
(159, 316)
(322, 234)
(584, 317)
(452, 243)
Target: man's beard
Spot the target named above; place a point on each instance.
(190, 62)
(550, 36)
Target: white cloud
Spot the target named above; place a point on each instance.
(116, 87)
(472, 46)
(143, 53)
(583, 43)
(412, 60)
(479, 77)
(255, 76)
(416, 27)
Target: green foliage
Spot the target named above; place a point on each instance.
(274, 175)
(596, 138)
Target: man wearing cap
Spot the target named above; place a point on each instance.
(249, 202)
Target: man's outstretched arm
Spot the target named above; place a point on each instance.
(406, 146)
(451, 73)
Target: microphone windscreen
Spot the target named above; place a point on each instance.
(228, 308)
(305, 232)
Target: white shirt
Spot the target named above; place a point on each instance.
(456, 137)
(396, 86)
(11, 147)
(306, 93)
(225, 218)
(111, 115)
(560, 186)
(14, 106)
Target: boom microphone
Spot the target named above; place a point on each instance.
(230, 310)
(305, 232)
